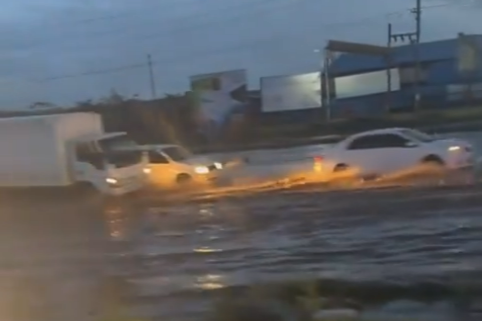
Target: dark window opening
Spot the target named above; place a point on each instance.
(87, 153)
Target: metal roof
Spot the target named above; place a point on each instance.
(428, 51)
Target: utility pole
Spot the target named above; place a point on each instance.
(414, 40)
(151, 77)
(388, 101)
(418, 19)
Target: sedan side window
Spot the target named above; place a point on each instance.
(392, 141)
(364, 142)
(157, 158)
(379, 141)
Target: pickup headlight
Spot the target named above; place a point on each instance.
(201, 169)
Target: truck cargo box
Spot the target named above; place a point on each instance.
(33, 149)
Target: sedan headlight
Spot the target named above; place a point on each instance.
(201, 169)
(218, 165)
(111, 181)
(454, 148)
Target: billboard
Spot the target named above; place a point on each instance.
(366, 84)
(282, 93)
(468, 53)
(216, 96)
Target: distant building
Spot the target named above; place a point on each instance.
(450, 75)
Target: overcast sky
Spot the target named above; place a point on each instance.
(43, 42)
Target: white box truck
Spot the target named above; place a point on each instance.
(64, 150)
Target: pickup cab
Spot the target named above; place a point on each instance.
(174, 166)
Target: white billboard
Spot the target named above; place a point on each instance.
(366, 84)
(282, 93)
(217, 95)
(468, 53)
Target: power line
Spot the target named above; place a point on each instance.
(247, 6)
(96, 72)
(197, 55)
(108, 17)
(224, 50)
(239, 8)
(249, 12)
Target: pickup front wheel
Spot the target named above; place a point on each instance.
(183, 178)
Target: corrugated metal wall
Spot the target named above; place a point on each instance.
(440, 62)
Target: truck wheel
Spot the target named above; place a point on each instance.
(83, 187)
(183, 178)
(340, 168)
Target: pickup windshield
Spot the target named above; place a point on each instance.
(176, 153)
(117, 155)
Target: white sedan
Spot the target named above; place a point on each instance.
(391, 150)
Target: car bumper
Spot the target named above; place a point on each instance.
(127, 186)
(206, 178)
(461, 161)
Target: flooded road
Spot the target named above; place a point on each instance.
(393, 240)
(374, 246)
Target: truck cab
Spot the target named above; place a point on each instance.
(98, 161)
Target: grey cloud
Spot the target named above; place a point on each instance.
(185, 37)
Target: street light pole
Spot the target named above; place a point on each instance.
(326, 67)
(152, 80)
(324, 82)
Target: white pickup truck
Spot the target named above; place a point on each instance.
(385, 151)
(174, 166)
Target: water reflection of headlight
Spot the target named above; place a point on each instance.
(201, 170)
(116, 221)
(210, 282)
(206, 249)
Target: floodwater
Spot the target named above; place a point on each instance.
(378, 247)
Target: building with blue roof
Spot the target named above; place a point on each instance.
(450, 76)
